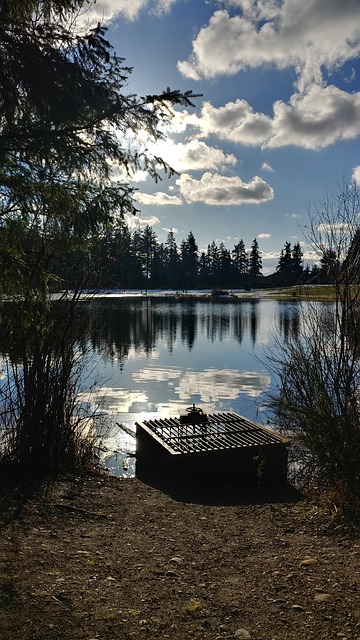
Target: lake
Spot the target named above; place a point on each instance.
(156, 357)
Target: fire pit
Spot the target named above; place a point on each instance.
(199, 446)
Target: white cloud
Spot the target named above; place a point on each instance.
(262, 9)
(356, 175)
(303, 35)
(118, 173)
(191, 156)
(336, 228)
(164, 6)
(215, 189)
(137, 221)
(158, 199)
(107, 10)
(313, 120)
(264, 236)
(269, 259)
(235, 121)
(316, 119)
(294, 216)
(172, 229)
(267, 167)
(198, 155)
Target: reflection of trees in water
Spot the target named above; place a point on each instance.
(289, 320)
(239, 327)
(246, 320)
(254, 320)
(188, 319)
(116, 326)
(170, 328)
(215, 321)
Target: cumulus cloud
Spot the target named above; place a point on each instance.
(307, 37)
(192, 156)
(158, 199)
(107, 10)
(120, 174)
(303, 35)
(235, 121)
(264, 236)
(313, 120)
(316, 119)
(141, 221)
(356, 175)
(215, 189)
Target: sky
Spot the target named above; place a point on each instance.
(277, 126)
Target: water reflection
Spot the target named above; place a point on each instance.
(156, 358)
(189, 326)
(253, 321)
(210, 385)
(289, 319)
(116, 325)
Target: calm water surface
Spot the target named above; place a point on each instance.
(155, 358)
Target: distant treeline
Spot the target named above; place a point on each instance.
(125, 259)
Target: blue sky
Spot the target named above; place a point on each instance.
(277, 126)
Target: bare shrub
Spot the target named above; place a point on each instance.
(317, 398)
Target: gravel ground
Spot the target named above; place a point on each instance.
(107, 558)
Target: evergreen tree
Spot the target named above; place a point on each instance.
(225, 266)
(240, 258)
(205, 281)
(255, 262)
(64, 119)
(190, 262)
(147, 245)
(297, 262)
(285, 261)
(289, 268)
(125, 266)
(172, 262)
(214, 265)
(159, 270)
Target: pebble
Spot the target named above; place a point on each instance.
(308, 562)
(171, 573)
(243, 634)
(322, 597)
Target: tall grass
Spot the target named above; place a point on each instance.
(42, 431)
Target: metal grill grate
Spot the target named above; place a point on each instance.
(221, 431)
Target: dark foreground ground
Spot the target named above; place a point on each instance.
(104, 558)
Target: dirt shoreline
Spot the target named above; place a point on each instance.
(108, 558)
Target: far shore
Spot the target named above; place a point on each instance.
(300, 292)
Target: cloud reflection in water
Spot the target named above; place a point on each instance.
(209, 385)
